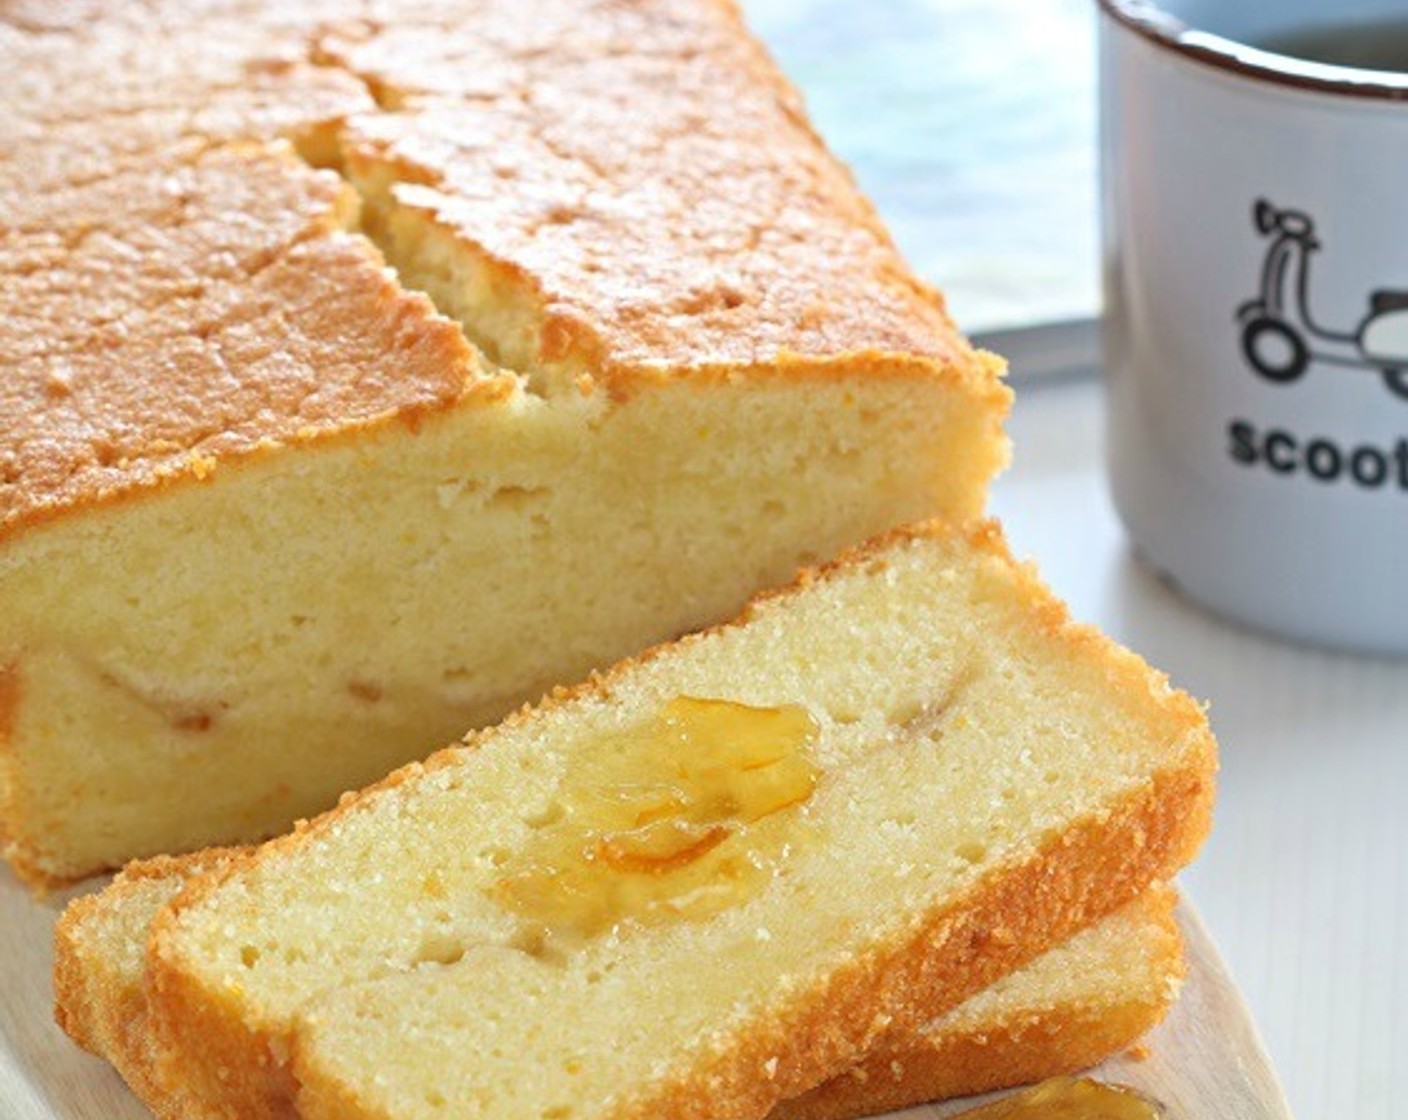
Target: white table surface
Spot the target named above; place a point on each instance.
(1304, 883)
(971, 125)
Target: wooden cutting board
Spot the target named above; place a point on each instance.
(1205, 1061)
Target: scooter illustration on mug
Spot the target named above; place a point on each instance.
(1280, 338)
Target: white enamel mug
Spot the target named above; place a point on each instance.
(1255, 219)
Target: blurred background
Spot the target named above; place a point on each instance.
(971, 124)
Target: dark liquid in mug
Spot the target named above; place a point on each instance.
(1376, 45)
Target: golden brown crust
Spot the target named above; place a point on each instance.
(530, 145)
(271, 330)
(9, 703)
(247, 77)
(141, 194)
(10, 795)
(942, 1061)
(152, 239)
(77, 1008)
(86, 1006)
(94, 1002)
(1028, 1048)
(9, 709)
(239, 1075)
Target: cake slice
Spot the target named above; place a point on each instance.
(706, 881)
(272, 523)
(99, 946)
(1069, 1009)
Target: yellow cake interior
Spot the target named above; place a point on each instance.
(960, 732)
(272, 523)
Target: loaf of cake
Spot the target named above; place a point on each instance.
(1069, 1009)
(367, 373)
(704, 882)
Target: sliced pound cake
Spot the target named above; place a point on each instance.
(704, 882)
(1069, 1009)
(99, 947)
(272, 523)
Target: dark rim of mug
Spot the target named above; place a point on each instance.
(1158, 26)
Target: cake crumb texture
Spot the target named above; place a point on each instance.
(371, 369)
(996, 776)
(1069, 1009)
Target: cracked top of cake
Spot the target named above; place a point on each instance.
(632, 189)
